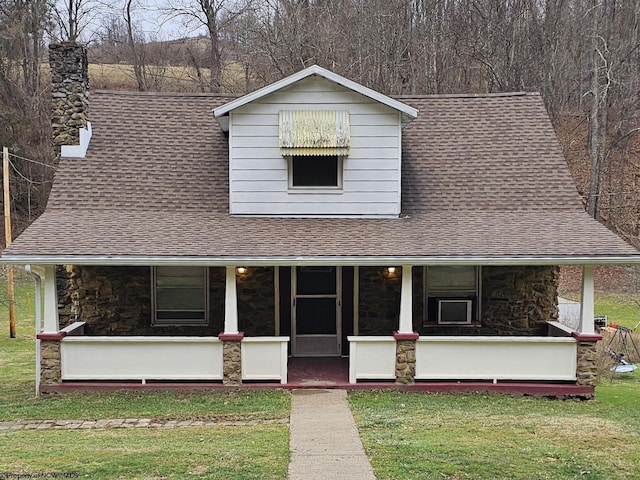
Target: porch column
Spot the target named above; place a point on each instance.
(51, 320)
(231, 338)
(406, 301)
(405, 336)
(49, 338)
(230, 303)
(586, 302)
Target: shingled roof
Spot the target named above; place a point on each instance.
(483, 179)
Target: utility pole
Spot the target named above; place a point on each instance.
(7, 236)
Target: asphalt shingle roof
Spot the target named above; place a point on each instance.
(482, 176)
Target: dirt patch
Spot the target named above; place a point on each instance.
(610, 279)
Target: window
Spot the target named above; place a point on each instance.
(315, 143)
(180, 296)
(315, 171)
(452, 295)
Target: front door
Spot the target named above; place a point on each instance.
(316, 311)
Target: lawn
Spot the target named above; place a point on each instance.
(256, 448)
(619, 309)
(417, 436)
(406, 435)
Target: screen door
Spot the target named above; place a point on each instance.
(316, 311)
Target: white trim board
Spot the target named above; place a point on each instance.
(408, 113)
(150, 260)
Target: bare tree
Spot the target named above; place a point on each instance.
(24, 106)
(135, 49)
(214, 16)
(72, 17)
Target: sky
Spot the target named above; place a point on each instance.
(148, 18)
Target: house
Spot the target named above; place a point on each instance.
(217, 239)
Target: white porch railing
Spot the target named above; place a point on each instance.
(496, 358)
(372, 358)
(468, 358)
(264, 358)
(141, 358)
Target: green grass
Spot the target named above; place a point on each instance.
(620, 309)
(247, 452)
(17, 355)
(417, 436)
(255, 449)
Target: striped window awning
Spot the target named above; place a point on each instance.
(314, 132)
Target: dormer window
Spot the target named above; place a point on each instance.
(314, 143)
(315, 171)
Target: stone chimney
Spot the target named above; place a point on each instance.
(70, 94)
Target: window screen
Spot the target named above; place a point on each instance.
(314, 171)
(180, 295)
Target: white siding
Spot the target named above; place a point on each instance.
(258, 172)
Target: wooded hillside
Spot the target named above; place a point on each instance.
(582, 55)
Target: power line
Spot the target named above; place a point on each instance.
(25, 178)
(609, 194)
(32, 161)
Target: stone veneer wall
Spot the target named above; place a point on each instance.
(70, 91)
(379, 301)
(256, 310)
(232, 366)
(405, 362)
(516, 300)
(117, 301)
(519, 300)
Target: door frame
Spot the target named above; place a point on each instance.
(338, 311)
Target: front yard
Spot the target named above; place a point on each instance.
(406, 435)
(418, 436)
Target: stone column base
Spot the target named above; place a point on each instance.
(232, 358)
(405, 357)
(586, 366)
(50, 359)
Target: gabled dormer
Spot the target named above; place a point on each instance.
(315, 144)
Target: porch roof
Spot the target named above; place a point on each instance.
(483, 181)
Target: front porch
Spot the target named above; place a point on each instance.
(333, 373)
(551, 366)
(541, 358)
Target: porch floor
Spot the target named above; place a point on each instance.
(316, 372)
(330, 372)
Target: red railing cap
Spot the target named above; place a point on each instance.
(51, 336)
(586, 337)
(406, 336)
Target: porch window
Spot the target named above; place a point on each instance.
(452, 295)
(180, 296)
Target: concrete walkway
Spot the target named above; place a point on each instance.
(324, 441)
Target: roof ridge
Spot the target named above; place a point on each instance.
(470, 95)
(163, 94)
(232, 96)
